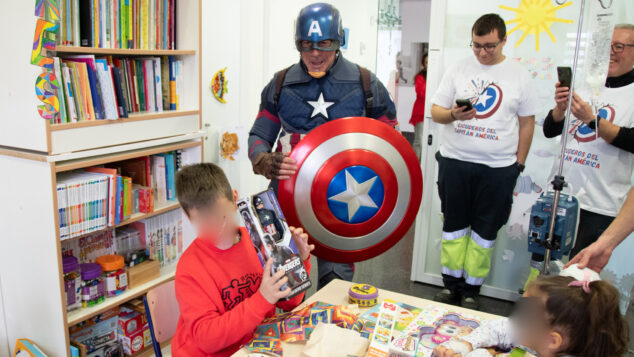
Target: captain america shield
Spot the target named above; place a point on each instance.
(357, 190)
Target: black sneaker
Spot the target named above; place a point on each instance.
(446, 296)
(472, 303)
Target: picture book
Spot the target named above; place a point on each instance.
(271, 238)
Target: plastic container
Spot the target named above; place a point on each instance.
(72, 282)
(114, 274)
(92, 287)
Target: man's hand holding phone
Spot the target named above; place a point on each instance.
(463, 110)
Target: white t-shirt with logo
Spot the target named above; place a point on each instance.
(600, 173)
(500, 93)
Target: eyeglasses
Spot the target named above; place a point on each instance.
(489, 47)
(618, 47)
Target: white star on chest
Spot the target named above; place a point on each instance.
(483, 98)
(355, 195)
(320, 106)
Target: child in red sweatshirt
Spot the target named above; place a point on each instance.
(222, 290)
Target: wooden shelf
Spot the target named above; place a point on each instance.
(158, 209)
(120, 156)
(79, 315)
(132, 117)
(121, 52)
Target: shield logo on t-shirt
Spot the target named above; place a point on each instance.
(488, 101)
(582, 132)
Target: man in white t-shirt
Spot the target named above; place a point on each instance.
(598, 158)
(482, 152)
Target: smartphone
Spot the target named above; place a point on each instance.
(565, 76)
(464, 103)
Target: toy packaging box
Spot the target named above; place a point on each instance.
(134, 332)
(99, 334)
(271, 237)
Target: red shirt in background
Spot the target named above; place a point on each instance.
(418, 112)
(219, 299)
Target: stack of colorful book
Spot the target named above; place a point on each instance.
(94, 88)
(82, 203)
(162, 236)
(87, 249)
(137, 24)
(98, 197)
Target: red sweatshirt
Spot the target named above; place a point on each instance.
(219, 298)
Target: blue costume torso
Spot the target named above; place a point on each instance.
(305, 103)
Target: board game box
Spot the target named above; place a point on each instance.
(271, 236)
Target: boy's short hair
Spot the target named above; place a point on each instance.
(199, 186)
(487, 23)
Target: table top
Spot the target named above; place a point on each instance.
(336, 293)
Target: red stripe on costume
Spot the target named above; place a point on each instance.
(254, 145)
(265, 113)
(295, 138)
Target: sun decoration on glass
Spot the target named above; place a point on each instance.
(534, 17)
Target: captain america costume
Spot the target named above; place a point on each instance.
(304, 103)
(270, 223)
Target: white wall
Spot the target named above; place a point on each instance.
(415, 29)
(255, 39)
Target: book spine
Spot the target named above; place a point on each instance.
(95, 94)
(85, 20)
(172, 73)
(121, 104)
(61, 210)
(157, 84)
(68, 91)
(79, 96)
(57, 70)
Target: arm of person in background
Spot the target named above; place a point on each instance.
(262, 136)
(618, 136)
(527, 126)
(554, 122)
(383, 108)
(597, 255)
(621, 137)
(442, 115)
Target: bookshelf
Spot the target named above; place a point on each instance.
(33, 152)
(28, 131)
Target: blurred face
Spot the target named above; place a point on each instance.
(316, 60)
(425, 62)
(621, 60)
(532, 325)
(218, 221)
(488, 48)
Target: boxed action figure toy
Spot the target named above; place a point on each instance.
(272, 238)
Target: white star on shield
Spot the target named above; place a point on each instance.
(356, 195)
(320, 106)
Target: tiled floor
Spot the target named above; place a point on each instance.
(391, 271)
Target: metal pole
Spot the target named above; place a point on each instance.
(558, 181)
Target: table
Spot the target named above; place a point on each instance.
(336, 293)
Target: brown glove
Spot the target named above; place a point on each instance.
(268, 164)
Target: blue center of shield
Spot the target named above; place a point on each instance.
(355, 194)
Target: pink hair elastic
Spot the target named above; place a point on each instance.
(584, 284)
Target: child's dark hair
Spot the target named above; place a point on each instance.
(591, 323)
(487, 23)
(200, 185)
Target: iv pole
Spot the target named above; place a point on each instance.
(559, 181)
